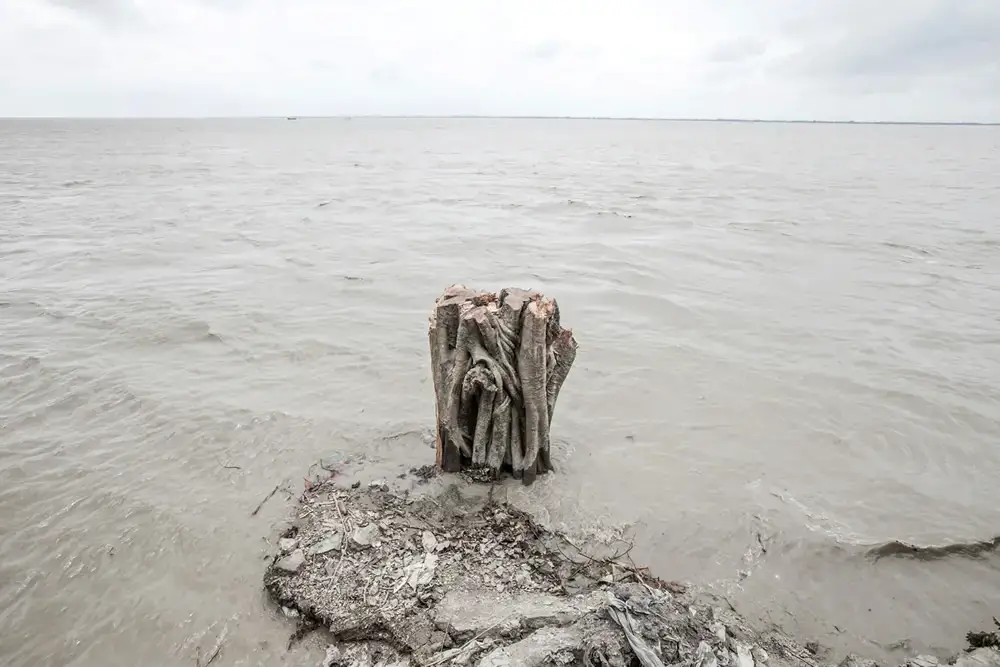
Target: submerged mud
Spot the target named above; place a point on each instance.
(401, 578)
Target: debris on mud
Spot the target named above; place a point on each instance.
(425, 472)
(985, 639)
(426, 580)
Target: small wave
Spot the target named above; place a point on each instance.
(31, 308)
(32, 393)
(177, 333)
(898, 549)
(13, 366)
(904, 246)
(838, 539)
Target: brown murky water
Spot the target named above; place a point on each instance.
(790, 353)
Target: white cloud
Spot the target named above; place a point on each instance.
(826, 59)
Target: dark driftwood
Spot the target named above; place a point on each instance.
(498, 362)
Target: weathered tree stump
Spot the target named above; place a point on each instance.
(498, 362)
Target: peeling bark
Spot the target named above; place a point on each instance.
(500, 438)
(455, 446)
(563, 355)
(531, 367)
(443, 334)
(498, 362)
(517, 444)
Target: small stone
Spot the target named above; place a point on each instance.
(442, 545)
(380, 484)
(287, 544)
(542, 647)
(365, 536)
(743, 656)
(857, 661)
(925, 661)
(428, 541)
(760, 656)
(980, 657)
(418, 572)
(563, 658)
(289, 612)
(333, 656)
(292, 562)
(676, 587)
(719, 630)
(705, 656)
(330, 543)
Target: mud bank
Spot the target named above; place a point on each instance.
(399, 578)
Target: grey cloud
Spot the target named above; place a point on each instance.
(108, 11)
(932, 38)
(932, 59)
(734, 50)
(547, 50)
(552, 50)
(386, 75)
(323, 65)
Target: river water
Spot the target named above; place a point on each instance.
(789, 356)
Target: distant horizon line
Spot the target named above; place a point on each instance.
(795, 121)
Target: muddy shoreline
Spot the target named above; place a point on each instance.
(397, 577)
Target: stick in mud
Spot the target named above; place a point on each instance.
(216, 650)
(273, 491)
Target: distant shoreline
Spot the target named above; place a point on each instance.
(477, 117)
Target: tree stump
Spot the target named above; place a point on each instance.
(498, 362)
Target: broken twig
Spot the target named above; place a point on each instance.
(343, 541)
(216, 651)
(273, 491)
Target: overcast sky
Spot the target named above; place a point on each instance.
(936, 60)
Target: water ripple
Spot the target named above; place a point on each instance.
(789, 356)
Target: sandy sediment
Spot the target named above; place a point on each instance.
(403, 579)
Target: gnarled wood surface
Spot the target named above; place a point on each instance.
(498, 362)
